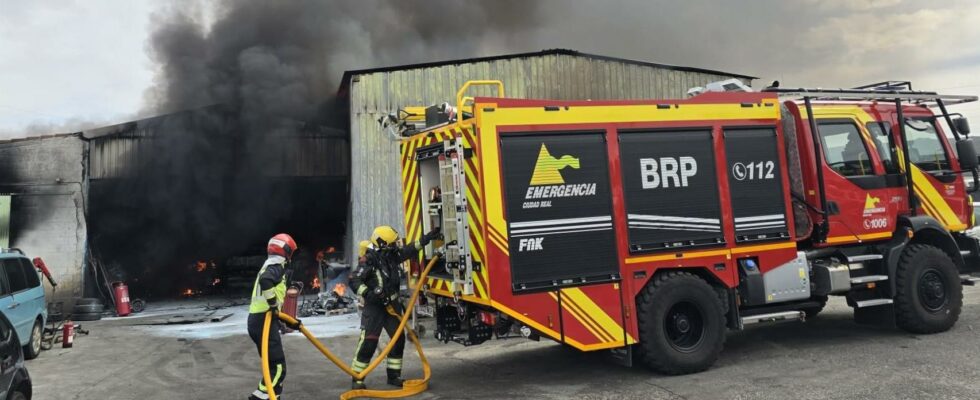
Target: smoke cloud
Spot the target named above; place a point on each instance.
(243, 84)
(285, 58)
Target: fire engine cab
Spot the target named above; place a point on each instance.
(651, 228)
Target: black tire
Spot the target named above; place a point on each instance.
(681, 322)
(33, 347)
(87, 300)
(813, 311)
(86, 317)
(55, 317)
(89, 309)
(137, 306)
(929, 292)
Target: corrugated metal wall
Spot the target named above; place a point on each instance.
(375, 185)
(312, 152)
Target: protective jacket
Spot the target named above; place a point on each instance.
(270, 283)
(378, 279)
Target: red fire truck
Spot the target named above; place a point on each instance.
(651, 228)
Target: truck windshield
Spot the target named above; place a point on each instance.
(925, 148)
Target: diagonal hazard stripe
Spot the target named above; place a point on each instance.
(595, 311)
(479, 286)
(592, 329)
(586, 317)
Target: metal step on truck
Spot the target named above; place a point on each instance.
(651, 228)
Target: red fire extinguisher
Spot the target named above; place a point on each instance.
(289, 303)
(67, 334)
(122, 298)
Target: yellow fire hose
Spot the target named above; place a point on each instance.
(411, 387)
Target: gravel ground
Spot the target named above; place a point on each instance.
(828, 357)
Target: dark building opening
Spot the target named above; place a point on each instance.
(183, 204)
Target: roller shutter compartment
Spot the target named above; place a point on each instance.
(559, 210)
(755, 183)
(671, 189)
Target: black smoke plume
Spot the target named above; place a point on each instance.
(245, 87)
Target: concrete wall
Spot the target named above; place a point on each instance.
(375, 184)
(45, 178)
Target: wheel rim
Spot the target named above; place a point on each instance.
(932, 290)
(684, 326)
(36, 338)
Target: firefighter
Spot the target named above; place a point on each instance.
(268, 294)
(377, 280)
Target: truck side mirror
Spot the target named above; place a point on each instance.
(967, 153)
(962, 125)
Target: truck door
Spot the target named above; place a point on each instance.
(862, 196)
(940, 191)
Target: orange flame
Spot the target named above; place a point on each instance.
(188, 292)
(201, 266)
(316, 282)
(340, 288)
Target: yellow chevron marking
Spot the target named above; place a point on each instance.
(930, 195)
(479, 286)
(500, 246)
(594, 330)
(592, 309)
(585, 318)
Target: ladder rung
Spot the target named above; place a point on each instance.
(873, 302)
(867, 279)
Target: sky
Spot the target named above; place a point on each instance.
(68, 65)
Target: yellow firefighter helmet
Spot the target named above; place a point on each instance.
(362, 248)
(384, 235)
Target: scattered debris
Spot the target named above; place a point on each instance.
(221, 317)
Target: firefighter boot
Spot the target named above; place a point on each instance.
(395, 377)
(356, 384)
(262, 396)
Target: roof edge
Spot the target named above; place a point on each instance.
(350, 73)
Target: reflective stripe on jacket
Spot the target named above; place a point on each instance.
(273, 270)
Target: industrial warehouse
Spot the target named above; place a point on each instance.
(403, 199)
(101, 186)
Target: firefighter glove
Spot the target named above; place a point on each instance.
(434, 234)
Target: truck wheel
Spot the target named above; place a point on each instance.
(929, 293)
(33, 347)
(813, 311)
(681, 322)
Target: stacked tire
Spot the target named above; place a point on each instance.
(88, 309)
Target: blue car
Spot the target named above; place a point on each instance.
(22, 299)
(15, 382)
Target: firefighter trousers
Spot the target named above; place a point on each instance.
(277, 358)
(374, 318)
